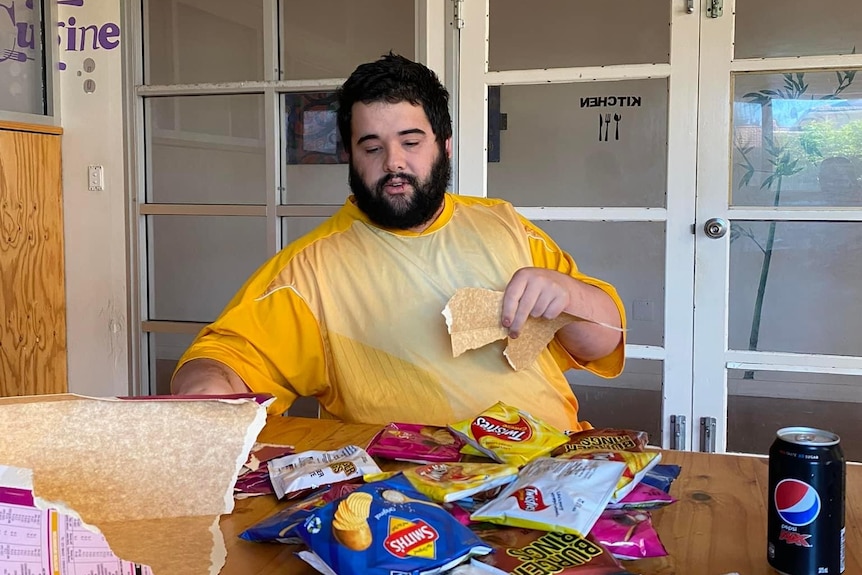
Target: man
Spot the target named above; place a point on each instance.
(351, 313)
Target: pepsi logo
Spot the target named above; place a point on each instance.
(796, 502)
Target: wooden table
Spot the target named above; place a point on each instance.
(717, 527)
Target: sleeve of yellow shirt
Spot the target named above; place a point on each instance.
(547, 254)
(273, 343)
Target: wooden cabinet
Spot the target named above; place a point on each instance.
(32, 278)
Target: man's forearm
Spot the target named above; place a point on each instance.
(588, 341)
(207, 377)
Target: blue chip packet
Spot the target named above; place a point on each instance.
(388, 527)
(661, 476)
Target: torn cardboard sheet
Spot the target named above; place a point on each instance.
(152, 476)
(473, 318)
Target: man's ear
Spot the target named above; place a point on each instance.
(449, 147)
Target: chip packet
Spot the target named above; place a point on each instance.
(555, 495)
(606, 439)
(637, 465)
(253, 476)
(644, 497)
(298, 474)
(662, 476)
(534, 552)
(416, 443)
(508, 435)
(388, 527)
(628, 534)
(281, 526)
(447, 482)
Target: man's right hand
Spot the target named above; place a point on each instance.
(207, 377)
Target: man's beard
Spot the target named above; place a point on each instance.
(403, 212)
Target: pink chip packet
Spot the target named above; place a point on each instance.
(416, 443)
(643, 496)
(628, 534)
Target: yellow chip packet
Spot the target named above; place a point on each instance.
(447, 482)
(509, 435)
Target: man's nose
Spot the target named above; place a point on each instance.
(394, 161)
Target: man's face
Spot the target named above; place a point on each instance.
(398, 170)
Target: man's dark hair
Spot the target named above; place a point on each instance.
(394, 79)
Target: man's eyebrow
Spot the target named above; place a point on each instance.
(367, 137)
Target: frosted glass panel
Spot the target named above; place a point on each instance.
(760, 403)
(811, 302)
(563, 34)
(598, 144)
(294, 227)
(631, 401)
(206, 150)
(21, 58)
(772, 28)
(329, 38)
(630, 256)
(194, 41)
(199, 262)
(797, 139)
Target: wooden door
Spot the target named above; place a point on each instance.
(32, 279)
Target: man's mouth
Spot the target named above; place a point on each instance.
(396, 186)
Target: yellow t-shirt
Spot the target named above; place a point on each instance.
(351, 314)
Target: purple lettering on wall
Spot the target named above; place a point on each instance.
(72, 36)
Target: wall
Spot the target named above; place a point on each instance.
(95, 221)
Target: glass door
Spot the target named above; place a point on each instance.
(583, 115)
(778, 321)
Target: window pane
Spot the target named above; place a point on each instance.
(762, 402)
(315, 161)
(797, 139)
(771, 28)
(563, 34)
(165, 350)
(628, 255)
(294, 227)
(206, 150)
(599, 144)
(329, 38)
(21, 58)
(199, 262)
(195, 41)
(811, 301)
(631, 401)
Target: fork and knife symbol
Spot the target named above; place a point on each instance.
(605, 125)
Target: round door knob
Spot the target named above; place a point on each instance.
(715, 228)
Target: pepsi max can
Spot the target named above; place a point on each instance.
(805, 525)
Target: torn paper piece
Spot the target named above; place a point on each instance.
(473, 318)
(149, 475)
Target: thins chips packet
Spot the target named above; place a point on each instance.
(594, 440)
(447, 482)
(508, 435)
(388, 527)
(533, 552)
(416, 443)
(628, 534)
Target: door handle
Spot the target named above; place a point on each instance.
(715, 228)
(690, 6)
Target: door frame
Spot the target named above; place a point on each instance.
(712, 358)
(679, 214)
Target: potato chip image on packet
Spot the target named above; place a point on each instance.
(509, 435)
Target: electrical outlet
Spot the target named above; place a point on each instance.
(95, 178)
